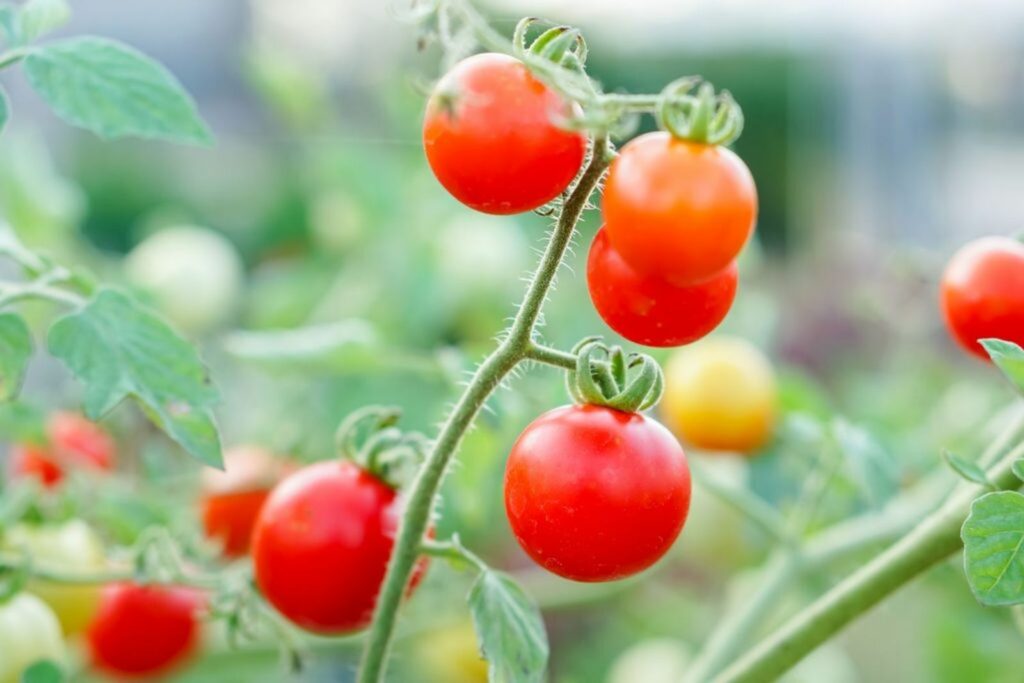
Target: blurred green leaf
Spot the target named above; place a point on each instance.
(43, 672)
(118, 349)
(1018, 469)
(5, 109)
(10, 23)
(1009, 358)
(21, 422)
(510, 629)
(993, 536)
(42, 16)
(871, 467)
(967, 469)
(15, 350)
(114, 91)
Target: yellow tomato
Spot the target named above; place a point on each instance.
(721, 394)
(68, 548)
(451, 655)
(29, 633)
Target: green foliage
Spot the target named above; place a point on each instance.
(510, 629)
(43, 672)
(38, 17)
(967, 469)
(22, 423)
(1009, 358)
(114, 91)
(120, 349)
(5, 109)
(993, 538)
(15, 350)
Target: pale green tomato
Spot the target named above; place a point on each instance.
(29, 633)
(72, 547)
(194, 275)
(658, 660)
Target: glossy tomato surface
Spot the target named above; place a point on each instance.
(721, 395)
(322, 543)
(594, 494)
(650, 310)
(144, 631)
(982, 293)
(72, 442)
(494, 136)
(678, 209)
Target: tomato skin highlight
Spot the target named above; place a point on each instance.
(144, 631)
(72, 441)
(678, 209)
(721, 395)
(322, 543)
(595, 494)
(492, 138)
(982, 293)
(649, 310)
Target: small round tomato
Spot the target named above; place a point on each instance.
(72, 442)
(144, 631)
(322, 543)
(721, 394)
(233, 498)
(678, 209)
(983, 293)
(69, 548)
(29, 633)
(595, 494)
(494, 136)
(650, 310)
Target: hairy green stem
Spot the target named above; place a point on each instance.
(928, 543)
(515, 347)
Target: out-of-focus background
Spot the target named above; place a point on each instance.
(332, 271)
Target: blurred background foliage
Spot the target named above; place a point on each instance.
(338, 273)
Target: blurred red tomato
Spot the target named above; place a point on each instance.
(72, 442)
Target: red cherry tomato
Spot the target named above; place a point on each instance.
(72, 442)
(143, 631)
(493, 136)
(594, 494)
(232, 499)
(678, 209)
(983, 293)
(650, 310)
(322, 544)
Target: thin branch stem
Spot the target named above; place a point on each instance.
(512, 350)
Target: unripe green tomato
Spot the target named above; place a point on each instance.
(72, 547)
(29, 633)
(658, 660)
(194, 275)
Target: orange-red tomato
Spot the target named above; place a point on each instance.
(983, 293)
(678, 209)
(650, 310)
(72, 442)
(232, 499)
(494, 137)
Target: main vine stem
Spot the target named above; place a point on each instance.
(516, 347)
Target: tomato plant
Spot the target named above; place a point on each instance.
(29, 633)
(595, 494)
(649, 309)
(143, 631)
(982, 293)
(496, 137)
(678, 209)
(72, 442)
(721, 395)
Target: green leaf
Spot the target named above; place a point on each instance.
(872, 469)
(1009, 358)
(42, 16)
(510, 629)
(967, 469)
(1018, 469)
(10, 23)
(118, 348)
(15, 350)
(114, 91)
(22, 423)
(993, 536)
(43, 671)
(5, 109)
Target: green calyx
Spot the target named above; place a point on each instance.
(561, 45)
(370, 438)
(700, 116)
(607, 376)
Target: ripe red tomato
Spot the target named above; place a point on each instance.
(493, 137)
(72, 441)
(678, 209)
(983, 293)
(595, 494)
(143, 631)
(650, 310)
(232, 499)
(322, 544)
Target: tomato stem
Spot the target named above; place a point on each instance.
(517, 346)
